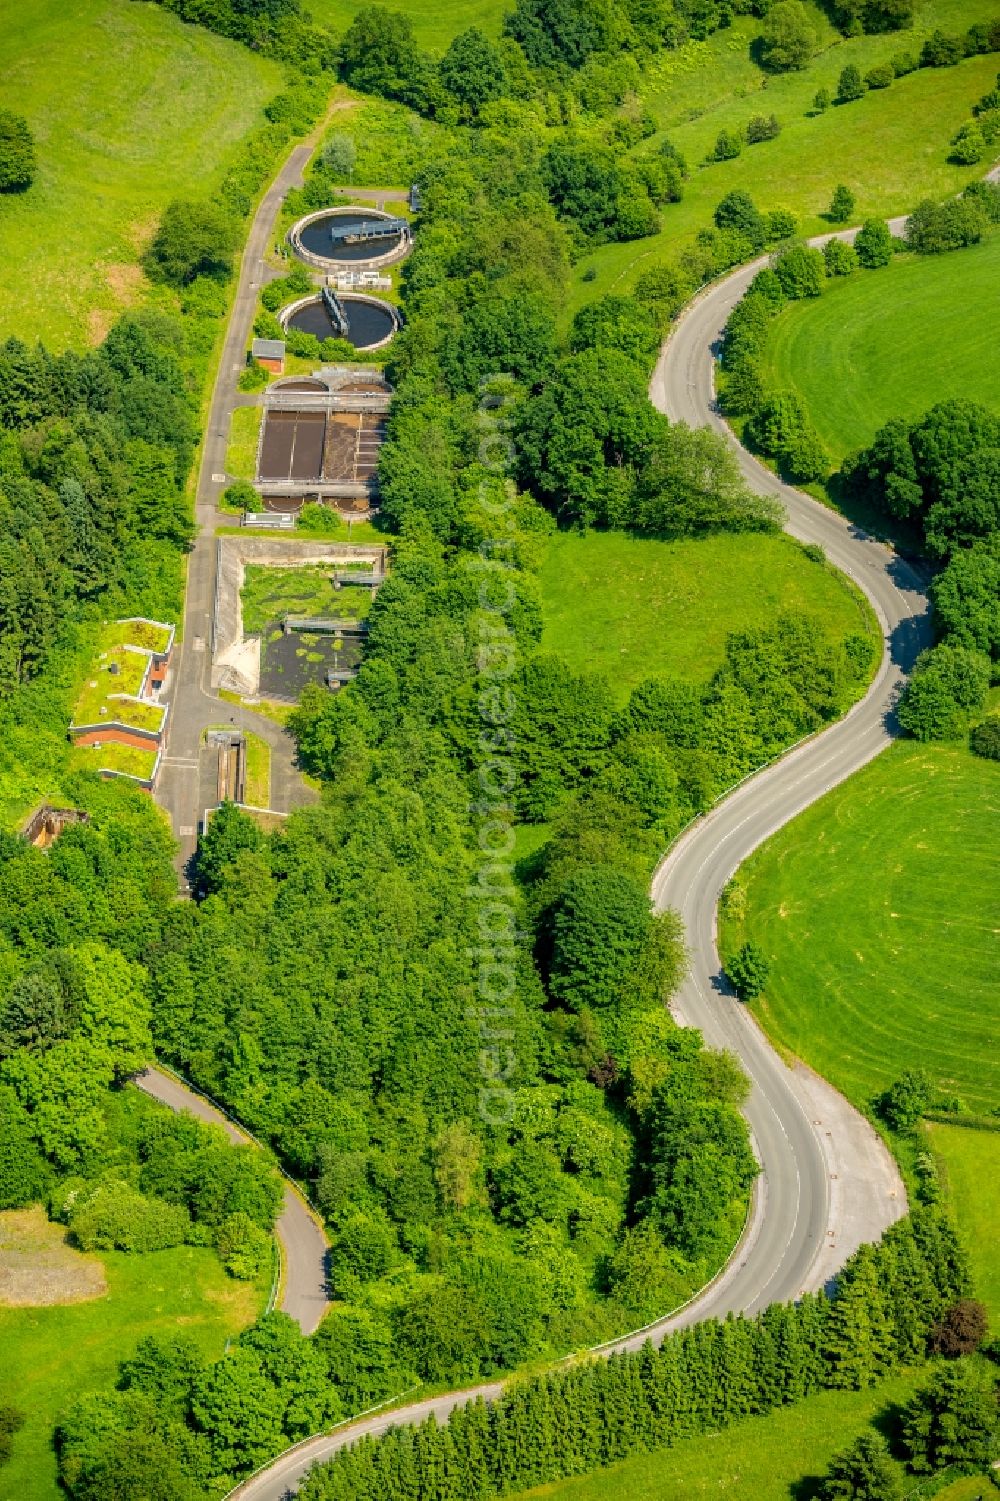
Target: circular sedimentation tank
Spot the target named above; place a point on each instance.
(370, 321)
(312, 239)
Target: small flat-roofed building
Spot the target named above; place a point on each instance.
(270, 353)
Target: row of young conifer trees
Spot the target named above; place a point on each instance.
(593, 1413)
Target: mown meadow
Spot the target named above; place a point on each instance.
(130, 108)
(876, 347)
(878, 909)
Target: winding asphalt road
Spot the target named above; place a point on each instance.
(300, 1235)
(827, 1182)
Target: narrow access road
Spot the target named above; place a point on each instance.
(193, 703)
(300, 1235)
(827, 1182)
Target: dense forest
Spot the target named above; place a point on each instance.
(94, 451)
(201, 1423)
(618, 1169)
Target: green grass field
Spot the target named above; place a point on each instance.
(52, 1355)
(433, 25)
(970, 1164)
(763, 1458)
(244, 435)
(270, 593)
(634, 607)
(890, 147)
(879, 909)
(129, 108)
(891, 343)
(257, 791)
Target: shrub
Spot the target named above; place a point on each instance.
(984, 738)
(935, 227)
(881, 76)
(986, 196)
(304, 345)
(788, 39)
(748, 971)
(762, 128)
(949, 683)
(254, 377)
(903, 63)
(969, 145)
(728, 145)
(781, 428)
(800, 270)
(241, 496)
(960, 1330)
(905, 1101)
(850, 85)
(821, 100)
(873, 244)
(339, 156)
(244, 1248)
(18, 162)
(115, 1216)
(841, 204)
(738, 211)
(864, 1472)
(841, 259)
(951, 1421)
(194, 239)
(781, 224)
(984, 36)
(941, 51)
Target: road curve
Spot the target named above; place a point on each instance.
(301, 1237)
(827, 1182)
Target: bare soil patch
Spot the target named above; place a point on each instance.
(38, 1268)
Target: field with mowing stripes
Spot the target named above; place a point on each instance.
(891, 343)
(879, 910)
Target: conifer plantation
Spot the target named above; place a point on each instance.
(594, 1413)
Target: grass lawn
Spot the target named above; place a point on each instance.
(878, 909)
(271, 593)
(147, 634)
(762, 1458)
(52, 1355)
(97, 699)
(129, 108)
(334, 530)
(433, 25)
(891, 343)
(127, 760)
(244, 432)
(890, 147)
(634, 607)
(257, 789)
(135, 713)
(970, 1169)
